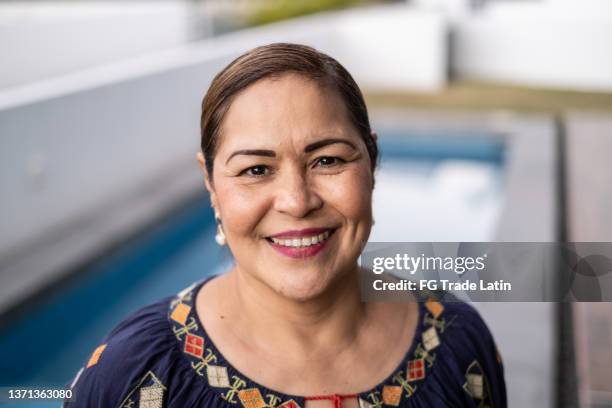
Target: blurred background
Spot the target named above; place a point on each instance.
(495, 124)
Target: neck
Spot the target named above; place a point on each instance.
(313, 328)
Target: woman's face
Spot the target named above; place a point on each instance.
(292, 184)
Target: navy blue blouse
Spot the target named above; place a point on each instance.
(160, 356)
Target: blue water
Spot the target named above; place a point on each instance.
(48, 345)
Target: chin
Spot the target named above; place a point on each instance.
(303, 286)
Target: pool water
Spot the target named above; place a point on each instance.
(428, 188)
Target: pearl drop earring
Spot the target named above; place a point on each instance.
(220, 236)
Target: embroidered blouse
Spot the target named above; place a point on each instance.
(160, 356)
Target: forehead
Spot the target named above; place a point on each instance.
(290, 108)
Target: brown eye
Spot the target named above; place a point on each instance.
(328, 161)
(255, 171)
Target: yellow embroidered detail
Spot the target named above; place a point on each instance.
(180, 313)
(434, 307)
(392, 395)
(237, 385)
(95, 356)
(273, 400)
(375, 401)
(425, 355)
(204, 362)
(403, 382)
(180, 331)
(251, 398)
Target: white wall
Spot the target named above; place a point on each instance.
(40, 40)
(395, 49)
(556, 44)
(69, 145)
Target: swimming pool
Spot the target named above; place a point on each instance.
(430, 187)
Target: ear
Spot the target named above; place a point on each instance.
(207, 181)
(375, 138)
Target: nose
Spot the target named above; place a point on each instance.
(295, 195)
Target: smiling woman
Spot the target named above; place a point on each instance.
(288, 158)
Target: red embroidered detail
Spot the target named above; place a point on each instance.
(335, 398)
(289, 404)
(194, 345)
(416, 369)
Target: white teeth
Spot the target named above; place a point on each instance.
(303, 242)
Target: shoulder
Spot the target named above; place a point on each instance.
(134, 352)
(461, 327)
(462, 318)
(467, 348)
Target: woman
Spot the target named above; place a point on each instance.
(288, 158)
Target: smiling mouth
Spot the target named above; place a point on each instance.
(302, 242)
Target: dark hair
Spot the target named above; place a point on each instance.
(274, 60)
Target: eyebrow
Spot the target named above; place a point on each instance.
(308, 149)
(326, 142)
(251, 152)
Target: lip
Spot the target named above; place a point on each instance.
(301, 252)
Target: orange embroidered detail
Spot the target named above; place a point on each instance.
(95, 356)
(194, 345)
(180, 313)
(251, 398)
(392, 394)
(434, 307)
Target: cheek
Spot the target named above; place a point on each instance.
(351, 194)
(242, 210)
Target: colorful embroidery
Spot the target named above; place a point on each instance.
(180, 313)
(416, 369)
(148, 393)
(217, 376)
(430, 339)
(204, 359)
(235, 389)
(476, 384)
(251, 398)
(289, 404)
(434, 307)
(95, 356)
(392, 395)
(365, 404)
(194, 345)
(151, 397)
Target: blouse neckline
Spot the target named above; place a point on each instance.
(233, 386)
